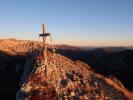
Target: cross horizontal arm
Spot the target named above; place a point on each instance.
(44, 34)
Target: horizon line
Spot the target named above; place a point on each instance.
(76, 45)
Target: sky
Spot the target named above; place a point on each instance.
(73, 22)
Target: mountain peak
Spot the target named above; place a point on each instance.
(59, 78)
(62, 78)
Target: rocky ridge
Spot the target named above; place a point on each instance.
(61, 78)
(64, 79)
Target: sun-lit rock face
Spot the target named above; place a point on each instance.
(13, 46)
(17, 47)
(62, 78)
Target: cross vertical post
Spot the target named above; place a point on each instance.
(44, 43)
(44, 36)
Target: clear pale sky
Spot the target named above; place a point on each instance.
(73, 22)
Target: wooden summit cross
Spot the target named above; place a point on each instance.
(44, 36)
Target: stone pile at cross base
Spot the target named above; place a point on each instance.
(64, 79)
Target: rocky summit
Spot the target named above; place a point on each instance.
(59, 79)
(63, 79)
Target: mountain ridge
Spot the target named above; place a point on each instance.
(75, 78)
